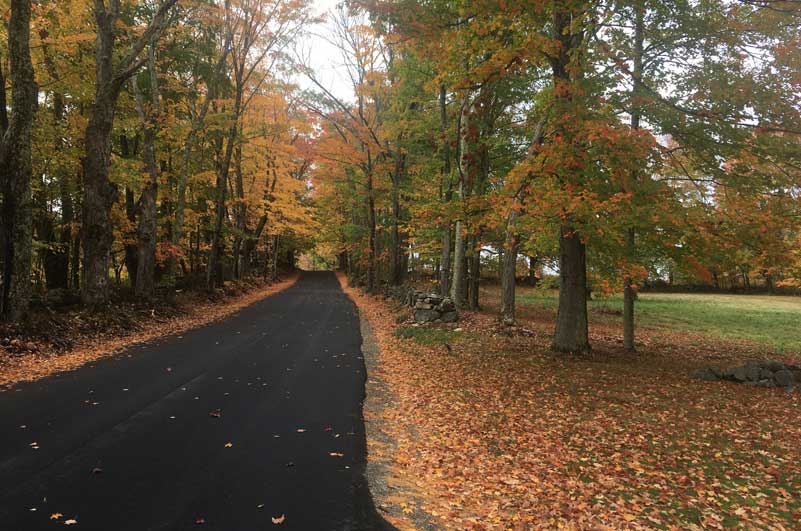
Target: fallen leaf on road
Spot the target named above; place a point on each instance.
(200, 520)
(71, 521)
(229, 445)
(216, 414)
(56, 516)
(279, 520)
(300, 430)
(97, 470)
(336, 454)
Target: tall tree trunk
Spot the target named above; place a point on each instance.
(457, 284)
(445, 258)
(214, 273)
(572, 333)
(99, 192)
(629, 292)
(396, 253)
(15, 165)
(145, 286)
(240, 212)
(371, 241)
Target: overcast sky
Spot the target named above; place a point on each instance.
(325, 58)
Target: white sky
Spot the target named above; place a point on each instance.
(325, 58)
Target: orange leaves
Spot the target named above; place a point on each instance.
(500, 434)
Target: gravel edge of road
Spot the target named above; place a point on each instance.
(377, 395)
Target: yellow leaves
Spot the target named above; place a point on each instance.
(229, 445)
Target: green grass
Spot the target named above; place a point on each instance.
(429, 336)
(773, 321)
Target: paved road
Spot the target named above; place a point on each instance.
(135, 443)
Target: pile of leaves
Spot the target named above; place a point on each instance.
(494, 431)
(54, 341)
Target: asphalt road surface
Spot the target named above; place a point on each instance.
(226, 427)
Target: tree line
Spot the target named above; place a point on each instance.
(151, 144)
(617, 142)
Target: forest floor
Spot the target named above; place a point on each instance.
(489, 429)
(62, 339)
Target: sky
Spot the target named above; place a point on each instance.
(324, 57)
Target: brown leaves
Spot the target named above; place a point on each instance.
(216, 414)
(505, 435)
(96, 341)
(277, 520)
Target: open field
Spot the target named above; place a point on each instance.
(772, 322)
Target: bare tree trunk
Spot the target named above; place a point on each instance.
(572, 333)
(15, 165)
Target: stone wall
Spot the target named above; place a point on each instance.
(759, 373)
(430, 307)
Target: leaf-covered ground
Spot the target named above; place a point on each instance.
(60, 341)
(494, 431)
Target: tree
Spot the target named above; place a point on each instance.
(15, 165)
(99, 193)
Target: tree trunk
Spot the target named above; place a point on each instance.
(371, 243)
(572, 334)
(148, 218)
(214, 274)
(99, 192)
(629, 292)
(445, 263)
(508, 271)
(474, 264)
(15, 165)
(457, 284)
(629, 296)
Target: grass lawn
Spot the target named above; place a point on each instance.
(773, 321)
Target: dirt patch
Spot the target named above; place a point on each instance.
(56, 342)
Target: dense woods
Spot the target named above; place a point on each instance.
(155, 146)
